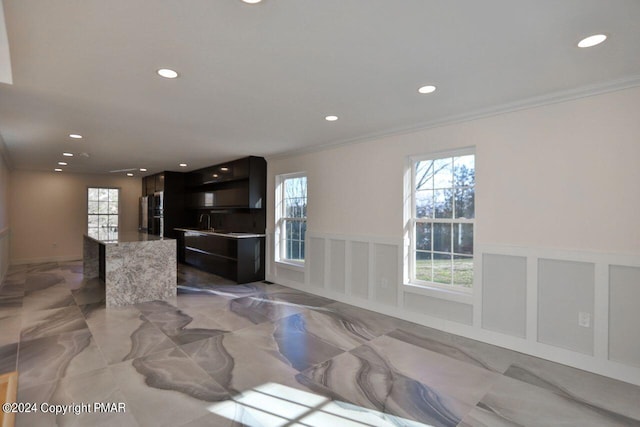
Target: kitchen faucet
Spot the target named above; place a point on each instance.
(208, 220)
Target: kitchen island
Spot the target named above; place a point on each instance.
(135, 267)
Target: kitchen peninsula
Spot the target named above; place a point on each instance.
(136, 267)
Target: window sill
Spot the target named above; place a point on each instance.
(290, 265)
(455, 295)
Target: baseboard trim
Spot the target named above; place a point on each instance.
(23, 261)
(5, 236)
(608, 368)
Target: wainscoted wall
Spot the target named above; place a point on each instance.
(553, 185)
(4, 252)
(504, 279)
(5, 226)
(624, 294)
(559, 286)
(526, 299)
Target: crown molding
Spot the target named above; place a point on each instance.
(525, 104)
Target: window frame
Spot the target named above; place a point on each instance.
(118, 215)
(423, 286)
(281, 219)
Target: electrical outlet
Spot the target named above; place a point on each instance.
(584, 319)
(384, 283)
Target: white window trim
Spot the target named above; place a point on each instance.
(439, 290)
(449, 293)
(291, 265)
(278, 240)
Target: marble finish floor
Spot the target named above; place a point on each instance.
(221, 354)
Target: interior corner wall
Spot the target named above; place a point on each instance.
(48, 211)
(5, 229)
(554, 183)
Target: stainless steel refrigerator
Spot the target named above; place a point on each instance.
(143, 219)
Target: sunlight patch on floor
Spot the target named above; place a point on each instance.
(276, 405)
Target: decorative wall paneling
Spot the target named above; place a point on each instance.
(526, 299)
(4, 252)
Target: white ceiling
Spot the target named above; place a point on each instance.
(260, 79)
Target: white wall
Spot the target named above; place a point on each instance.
(562, 168)
(48, 212)
(4, 212)
(557, 182)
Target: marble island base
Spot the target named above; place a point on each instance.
(136, 268)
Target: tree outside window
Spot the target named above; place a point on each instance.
(443, 204)
(291, 214)
(102, 213)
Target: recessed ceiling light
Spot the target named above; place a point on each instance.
(331, 118)
(75, 136)
(167, 73)
(143, 170)
(58, 170)
(62, 163)
(427, 89)
(251, 1)
(67, 154)
(183, 165)
(223, 169)
(593, 40)
(129, 174)
(215, 175)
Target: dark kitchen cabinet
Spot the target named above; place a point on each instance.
(148, 185)
(229, 171)
(228, 196)
(238, 259)
(159, 181)
(175, 214)
(237, 184)
(172, 186)
(155, 183)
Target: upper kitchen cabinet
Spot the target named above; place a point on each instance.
(153, 184)
(225, 172)
(172, 208)
(159, 181)
(148, 185)
(241, 183)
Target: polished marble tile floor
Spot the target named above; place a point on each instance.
(221, 354)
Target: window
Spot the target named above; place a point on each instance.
(442, 220)
(102, 213)
(291, 217)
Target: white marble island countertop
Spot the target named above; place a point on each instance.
(130, 237)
